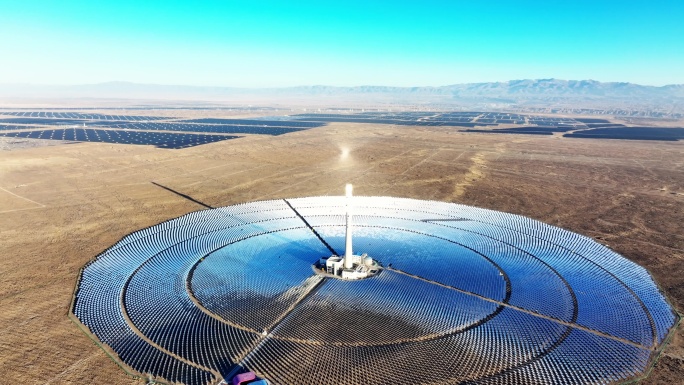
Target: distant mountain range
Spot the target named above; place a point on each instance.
(514, 92)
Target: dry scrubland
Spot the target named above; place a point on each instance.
(62, 205)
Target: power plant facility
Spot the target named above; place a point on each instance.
(349, 266)
(351, 290)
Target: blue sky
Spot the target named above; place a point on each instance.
(286, 43)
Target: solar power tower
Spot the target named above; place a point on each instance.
(458, 295)
(350, 266)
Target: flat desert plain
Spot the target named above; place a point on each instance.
(63, 204)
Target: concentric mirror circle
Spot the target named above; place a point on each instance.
(466, 295)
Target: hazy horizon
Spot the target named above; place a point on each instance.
(124, 82)
(272, 44)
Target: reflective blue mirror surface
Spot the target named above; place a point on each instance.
(466, 295)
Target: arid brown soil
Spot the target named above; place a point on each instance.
(62, 205)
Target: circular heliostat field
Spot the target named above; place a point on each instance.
(465, 295)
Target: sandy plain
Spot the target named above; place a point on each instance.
(61, 205)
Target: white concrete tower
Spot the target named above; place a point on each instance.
(348, 253)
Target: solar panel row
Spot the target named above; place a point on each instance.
(255, 122)
(78, 115)
(632, 133)
(215, 128)
(463, 119)
(610, 132)
(43, 122)
(8, 127)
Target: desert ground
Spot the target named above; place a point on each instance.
(62, 204)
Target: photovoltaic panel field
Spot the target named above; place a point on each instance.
(145, 130)
(160, 140)
(103, 127)
(466, 295)
(211, 128)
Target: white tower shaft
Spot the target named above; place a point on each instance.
(348, 253)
